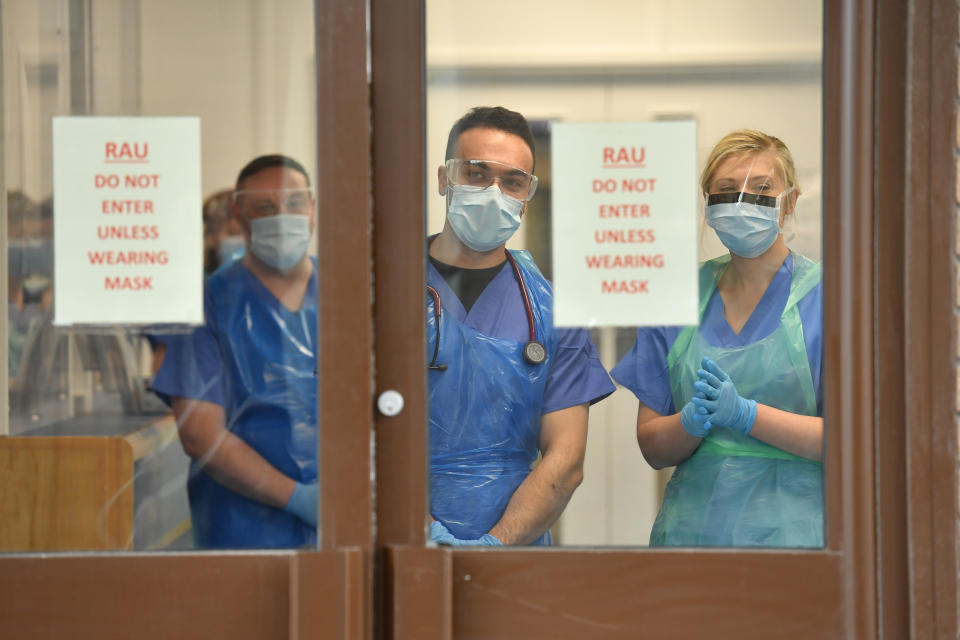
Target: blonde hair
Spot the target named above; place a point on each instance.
(750, 141)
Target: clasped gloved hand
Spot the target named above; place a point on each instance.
(441, 535)
(303, 503)
(694, 418)
(724, 406)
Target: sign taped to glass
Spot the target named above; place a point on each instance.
(127, 220)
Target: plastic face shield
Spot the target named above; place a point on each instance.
(749, 176)
(513, 181)
(268, 202)
(747, 198)
(752, 184)
(744, 201)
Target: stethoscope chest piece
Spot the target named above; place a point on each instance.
(534, 352)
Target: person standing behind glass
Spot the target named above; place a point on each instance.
(499, 395)
(223, 240)
(736, 403)
(243, 386)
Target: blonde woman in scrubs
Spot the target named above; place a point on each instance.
(735, 403)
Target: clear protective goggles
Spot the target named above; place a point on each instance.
(268, 202)
(514, 182)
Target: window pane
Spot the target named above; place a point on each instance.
(161, 327)
(713, 68)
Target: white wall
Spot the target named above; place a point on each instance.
(536, 33)
(36, 86)
(246, 67)
(731, 64)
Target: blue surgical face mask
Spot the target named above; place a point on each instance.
(229, 247)
(483, 218)
(747, 224)
(281, 240)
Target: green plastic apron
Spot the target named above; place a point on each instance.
(736, 490)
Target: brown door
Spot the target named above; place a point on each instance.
(325, 592)
(889, 566)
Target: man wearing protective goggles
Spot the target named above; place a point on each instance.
(505, 385)
(243, 386)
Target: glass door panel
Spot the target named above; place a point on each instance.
(161, 335)
(664, 70)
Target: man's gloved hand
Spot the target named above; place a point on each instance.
(694, 418)
(725, 407)
(303, 503)
(486, 540)
(441, 535)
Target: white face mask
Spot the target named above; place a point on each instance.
(483, 218)
(747, 224)
(281, 240)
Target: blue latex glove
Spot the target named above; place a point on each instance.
(694, 418)
(441, 535)
(725, 407)
(303, 503)
(486, 540)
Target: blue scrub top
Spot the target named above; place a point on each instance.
(644, 369)
(576, 375)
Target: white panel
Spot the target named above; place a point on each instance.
(127, 226)
(624, 223)
(616, 32)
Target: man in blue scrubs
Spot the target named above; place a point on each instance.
(243, 386)
(506, 387)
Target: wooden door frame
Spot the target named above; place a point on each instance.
(890, 565)
(273, 594)
(923, 157)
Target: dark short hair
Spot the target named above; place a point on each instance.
(257, 165)
(499, 118)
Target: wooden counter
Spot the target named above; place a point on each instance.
(65, 493)
(76, 493)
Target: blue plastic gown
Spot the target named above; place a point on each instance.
(735, 490)
(485, 408)
(256, 359)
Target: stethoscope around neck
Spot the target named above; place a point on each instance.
(534, 352)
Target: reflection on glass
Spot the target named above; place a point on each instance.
(94, 458)
(629, 62)
(505, 385)
(735, 402)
